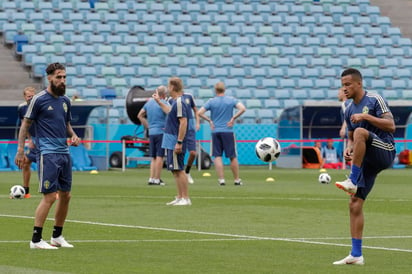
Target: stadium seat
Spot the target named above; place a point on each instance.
(4, 162)
(407, 94)
(272, 103)
(248, 117)
(300, 94)
(265, 116)
(81, 158)
(253, 103)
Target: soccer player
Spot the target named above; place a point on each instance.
(173, 140)
(31, 153)
(155, 123)
(370, 148)
(50, 113)
(221, 123)
(193, 126)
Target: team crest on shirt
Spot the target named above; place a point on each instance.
(46, 184)
(65, 107)
(365, 109)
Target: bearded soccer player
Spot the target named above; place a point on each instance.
(50, 110)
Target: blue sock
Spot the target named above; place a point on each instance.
(354, 174)
(356, 247)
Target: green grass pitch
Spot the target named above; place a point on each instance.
(119, 224)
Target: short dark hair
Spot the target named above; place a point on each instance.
(353, 72)
(53, 67)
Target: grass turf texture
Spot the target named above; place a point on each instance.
(119, 224)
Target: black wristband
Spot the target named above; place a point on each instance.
(179, 142)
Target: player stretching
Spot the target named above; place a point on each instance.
(370, 148)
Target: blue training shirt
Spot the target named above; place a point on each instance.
(221, 111)
(155, 116)
(178, 110)
(50, 116)
(373, 104)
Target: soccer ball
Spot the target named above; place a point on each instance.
(324, 178)
(267, 149)
(17, 192)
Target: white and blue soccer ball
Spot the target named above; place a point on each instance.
(17, 192)
(324, 178)
(268, 149)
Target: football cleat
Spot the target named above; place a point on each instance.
(347, 186)
(41, 245)
(183, 202)
(174, 201)
(351, 260)
(189, 178)
(60, 242)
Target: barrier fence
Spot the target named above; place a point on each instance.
(247, 149)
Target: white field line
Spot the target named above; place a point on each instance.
(235, 236)
(145, 197)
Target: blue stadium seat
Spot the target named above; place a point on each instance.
(398, 84)
(248, 117)
(407, 94)
(262, 94)
(403, 73)
(81, 158)
(317, 94)
(253, 103)
(272, 103)
(300, 94)
(282, 92)
(290, 103)
(305, 83)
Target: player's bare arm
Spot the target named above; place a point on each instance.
(197, 118)
(74, 139)
(24, 131)
(166, 108)
(201, 114)
(241, 109)
(181, 134)
(384, 122)
(142, 118)
(347, 154)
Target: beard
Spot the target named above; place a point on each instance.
(58, 90)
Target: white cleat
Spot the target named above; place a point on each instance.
(347, 186)
(189, 178)
(351, 260)
(174, 201)
(183, 202)
(60, 242)
(41, 245)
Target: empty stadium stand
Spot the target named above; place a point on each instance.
(270, 54)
